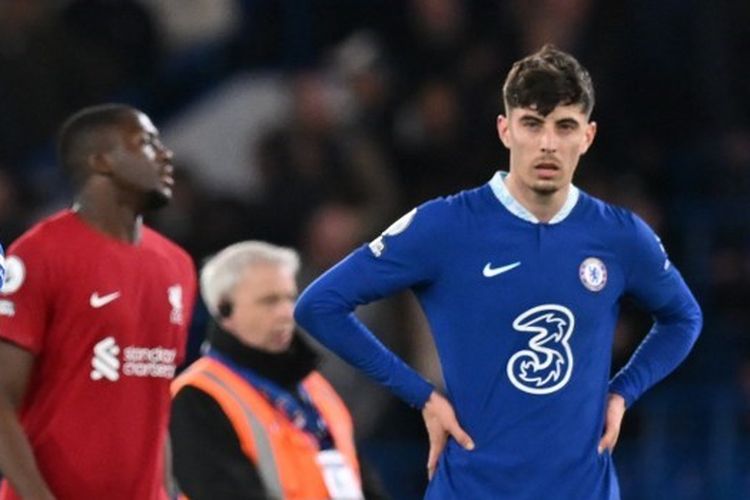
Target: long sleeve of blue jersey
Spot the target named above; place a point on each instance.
(658, 287)
(393, 262)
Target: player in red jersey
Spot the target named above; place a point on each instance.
(93, 321)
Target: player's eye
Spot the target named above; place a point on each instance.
(567, 126)
(150, 140)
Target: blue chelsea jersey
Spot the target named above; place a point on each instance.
(523, 316)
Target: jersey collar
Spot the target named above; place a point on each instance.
(497, 184)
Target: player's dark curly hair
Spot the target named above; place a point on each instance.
(80, 136)
(546, 79)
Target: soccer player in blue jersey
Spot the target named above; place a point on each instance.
(521, 280)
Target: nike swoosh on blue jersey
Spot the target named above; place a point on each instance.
(491, 272)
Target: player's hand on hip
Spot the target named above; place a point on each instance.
(440, 421)
(613, 420)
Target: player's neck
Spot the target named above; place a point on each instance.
(102, 211)
(543, 206)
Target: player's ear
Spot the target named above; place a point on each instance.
(99, 162)
(103, 150)
(502, 130)
(589, 134)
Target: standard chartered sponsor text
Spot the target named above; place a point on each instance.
(149, 362)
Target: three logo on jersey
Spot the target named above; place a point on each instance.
(546, 364)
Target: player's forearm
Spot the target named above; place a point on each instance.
(670, 340)
(17, 459)
(328, 317)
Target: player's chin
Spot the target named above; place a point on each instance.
(158, 198)
(546, 187)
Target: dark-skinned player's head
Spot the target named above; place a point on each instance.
(88, 132)
(546, 79)
(119, 144)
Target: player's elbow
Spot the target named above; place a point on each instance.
(304, 309)
(683, 315)
(690, 320)
(695, 318)
(312, 306)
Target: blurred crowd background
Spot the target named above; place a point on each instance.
(316, 123)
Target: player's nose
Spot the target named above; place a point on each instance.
(164, 152)
(548, 142)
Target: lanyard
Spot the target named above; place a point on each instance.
(301, 412)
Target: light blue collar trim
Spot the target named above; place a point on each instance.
(497, 183)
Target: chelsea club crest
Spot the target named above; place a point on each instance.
(593, 274)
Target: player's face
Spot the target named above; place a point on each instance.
(263, 308)
(141, 164)
(544, 150)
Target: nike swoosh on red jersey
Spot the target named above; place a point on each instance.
(97, 301)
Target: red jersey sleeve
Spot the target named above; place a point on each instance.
(24, 297)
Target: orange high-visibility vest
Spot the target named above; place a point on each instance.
(284, 455)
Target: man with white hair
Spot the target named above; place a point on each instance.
(252, 418)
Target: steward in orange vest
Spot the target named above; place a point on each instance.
(247, 423)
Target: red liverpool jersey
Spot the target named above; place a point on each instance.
(107, 321)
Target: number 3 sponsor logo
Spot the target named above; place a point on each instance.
(546, 365)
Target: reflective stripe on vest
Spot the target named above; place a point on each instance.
(266, 462)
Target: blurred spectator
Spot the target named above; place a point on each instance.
(310, 161)
(47, 72)
(221, 132)
(432, 147)
(560, 22)
(186, 26)
(201, 222)
(434, 39)
(13, 214)
(361, 65)
(125, 31)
